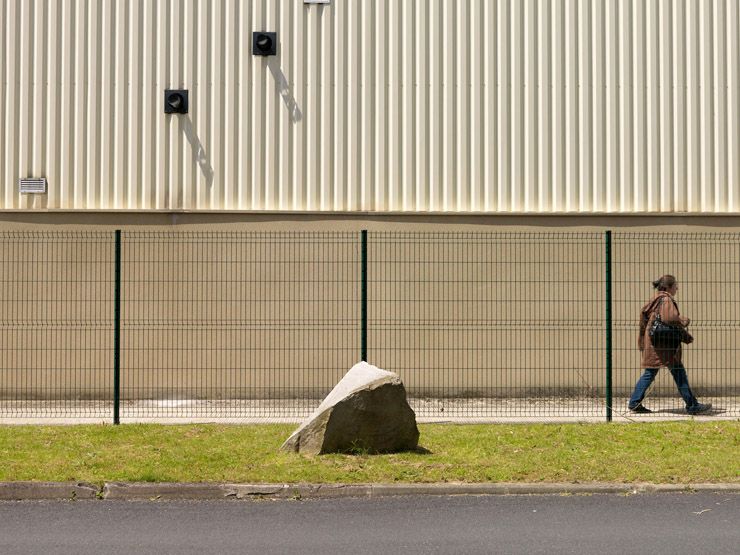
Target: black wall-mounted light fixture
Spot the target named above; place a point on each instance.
(176, 101)
(264, 43)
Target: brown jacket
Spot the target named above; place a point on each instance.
(652, 357)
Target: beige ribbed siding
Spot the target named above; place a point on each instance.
(373, 105)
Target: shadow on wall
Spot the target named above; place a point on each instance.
(199, 153)
(283, 89)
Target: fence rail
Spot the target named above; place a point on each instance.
(229, 325)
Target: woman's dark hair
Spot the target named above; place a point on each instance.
(664, 283)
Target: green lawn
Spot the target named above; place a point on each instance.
(674, 452)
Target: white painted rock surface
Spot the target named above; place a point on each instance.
(366, 411)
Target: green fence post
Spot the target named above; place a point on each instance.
(363, 306)
(117, 334)
(608, 240)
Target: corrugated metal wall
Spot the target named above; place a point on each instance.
(378, 105)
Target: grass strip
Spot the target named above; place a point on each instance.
(666, 452)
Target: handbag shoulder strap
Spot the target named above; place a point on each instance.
(656, 310)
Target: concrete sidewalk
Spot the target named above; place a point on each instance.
(25, 491)
(293, 411)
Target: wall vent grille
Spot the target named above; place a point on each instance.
(33, 185)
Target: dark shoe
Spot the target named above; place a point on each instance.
(698, 408)
(640, 409)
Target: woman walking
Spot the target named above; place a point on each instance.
(656, 354)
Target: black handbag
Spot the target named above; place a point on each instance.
(662, 335)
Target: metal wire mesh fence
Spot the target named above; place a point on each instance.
(505, 325)
(56, 317)
(261, 326)
(257, 325)
(707, 269)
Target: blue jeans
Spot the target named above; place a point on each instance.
(679, 376)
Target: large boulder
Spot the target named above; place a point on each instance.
(367, 411)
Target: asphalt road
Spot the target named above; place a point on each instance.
(647, 523)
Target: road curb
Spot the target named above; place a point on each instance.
(21, 491)
(137, 491)
(300, 491)
(134, 491)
